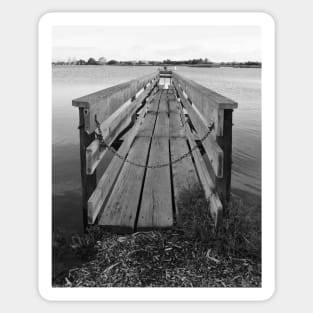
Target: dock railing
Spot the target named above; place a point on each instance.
(113, 108)
(209, 110)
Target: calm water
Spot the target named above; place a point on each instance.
(241, 85)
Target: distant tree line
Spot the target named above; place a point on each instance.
(191, 61)
(205, 62)
(90, 61)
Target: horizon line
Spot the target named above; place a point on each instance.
(150, 60)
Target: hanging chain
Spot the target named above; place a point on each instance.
(103, 144)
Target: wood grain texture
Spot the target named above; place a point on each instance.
(147, 127)
(156, 204)
(162, 125)
(121, 209)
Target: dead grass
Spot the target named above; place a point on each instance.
(191, 254)
(239, 234)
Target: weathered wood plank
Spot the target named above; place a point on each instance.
(108, 179)
(162, 124)
(148, 124)
(176, 125)
(203, 97)
(173, 104)
(213, 150)
(121, 209)
(154, 104)
(156, 203)
(163, 106)
(209, 103)
(223, 185)
(111, 128)
(105, 102)
(89, 182)
(215, 205)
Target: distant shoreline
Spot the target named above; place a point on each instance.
(168, 65)
(234, 66)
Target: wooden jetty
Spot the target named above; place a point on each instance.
(169, 140)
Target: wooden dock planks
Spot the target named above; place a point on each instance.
(149, 194)
(163, 106)
(148, 124)
(162, 125)
(156, 204)
(176, 125)
(122, 206)
(154, 105)
(121, 209)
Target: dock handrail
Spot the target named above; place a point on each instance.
(208, 102)
(206, 108)
(114, 108)
(105, 102)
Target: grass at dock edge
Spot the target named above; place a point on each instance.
(189, 255)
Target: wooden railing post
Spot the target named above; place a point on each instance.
(89, 182)
(225, 142)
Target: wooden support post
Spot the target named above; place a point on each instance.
(225, 142)
(89, 182)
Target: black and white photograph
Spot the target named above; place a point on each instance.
(156, 156)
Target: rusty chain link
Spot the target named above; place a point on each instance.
(103, 144)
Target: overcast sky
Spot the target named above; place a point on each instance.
(220, 43)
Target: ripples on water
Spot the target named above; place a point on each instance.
(241, 85)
